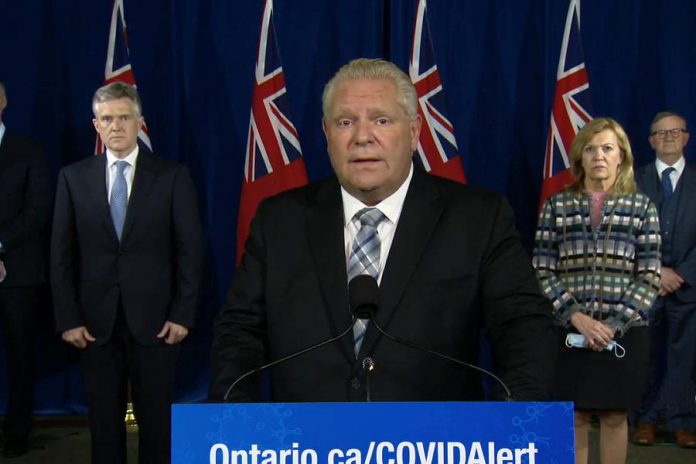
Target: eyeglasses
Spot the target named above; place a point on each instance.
(662, 133)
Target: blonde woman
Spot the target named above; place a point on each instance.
(597, 256)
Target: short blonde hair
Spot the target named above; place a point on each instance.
(624, 182)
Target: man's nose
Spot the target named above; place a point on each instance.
(363, 132)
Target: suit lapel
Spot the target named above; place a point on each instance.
(97, 189)
(4, 152)
(418, 219)
(145, 175)
(325, 233)
(9, 148)
(687, 185)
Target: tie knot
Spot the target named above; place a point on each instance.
(121, 166)
(667, 171)
(370, 217)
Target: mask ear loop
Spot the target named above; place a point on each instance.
(618, 348)
(569, 341)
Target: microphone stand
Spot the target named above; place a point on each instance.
(508, 394)
(368, 366)
(287, 358)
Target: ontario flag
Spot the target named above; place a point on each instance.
(273, 161)
(437, 146)
(118, 66)
(571, 104)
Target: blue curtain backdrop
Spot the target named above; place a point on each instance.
(194, 63)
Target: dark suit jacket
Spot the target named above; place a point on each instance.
(684, 238)
(26, 196)
(155, 270)
(456, 265)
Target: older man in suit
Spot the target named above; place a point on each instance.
(26, 193)
(125, 272)
(447, 258)
(671, 185)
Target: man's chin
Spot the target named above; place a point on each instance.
(367, 194)
(120, 147)
(367, 190)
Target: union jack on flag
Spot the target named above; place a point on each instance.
(571, 103)
(118, 66)
(437, 146)
(273, 160)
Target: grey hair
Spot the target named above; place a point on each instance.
(114, 91)
(375, 68)
(666, 114)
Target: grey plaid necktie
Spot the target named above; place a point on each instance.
(364, 259)
(119, 198)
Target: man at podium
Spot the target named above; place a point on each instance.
(447, 258)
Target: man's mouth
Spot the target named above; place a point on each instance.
(364, 161)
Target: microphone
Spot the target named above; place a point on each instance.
(359, 307)
(363, 301)
(364, 297)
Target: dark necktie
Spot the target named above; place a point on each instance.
(364, 259)
(667, 183)
(119, 198)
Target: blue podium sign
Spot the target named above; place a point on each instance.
(373, 433)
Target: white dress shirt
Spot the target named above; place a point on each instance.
(674, 175)
(391, 208)
(128, 172)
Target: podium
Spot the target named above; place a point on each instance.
(373, 433)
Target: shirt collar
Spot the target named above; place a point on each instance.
(131, 158)
(2, 131)
(678, 166)
(390, 206)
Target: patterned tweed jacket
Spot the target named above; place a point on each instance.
(611, 273)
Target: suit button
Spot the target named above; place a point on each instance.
(355, 383)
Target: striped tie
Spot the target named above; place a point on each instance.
(119, 198)
(364, 259)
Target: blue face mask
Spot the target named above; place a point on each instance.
(575, 340)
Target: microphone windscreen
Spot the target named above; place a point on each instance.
(363, 296)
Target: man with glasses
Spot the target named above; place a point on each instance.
(671, 185)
